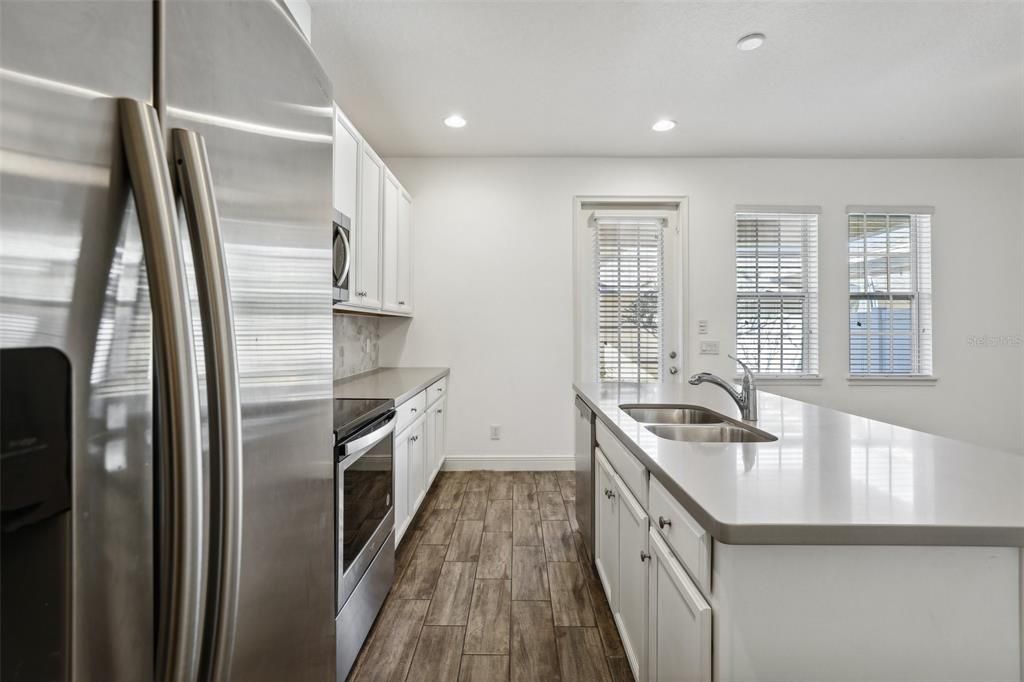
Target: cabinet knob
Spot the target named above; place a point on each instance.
(412, 409)
(609, 493)
(401, 303)
(662, 522)
(440, 411)
(644, 556)
(414, 438)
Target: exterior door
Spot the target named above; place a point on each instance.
(631, 614)
(73, 281)
(629, 298)
(241, 74)
(679, 621)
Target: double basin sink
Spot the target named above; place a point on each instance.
(694, 424)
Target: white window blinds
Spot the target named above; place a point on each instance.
(777, 292)
(890, 293)
(629, 269)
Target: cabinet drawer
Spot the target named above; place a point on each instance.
(687, 538)
(628, 467)
(437, 390)
(410, 409)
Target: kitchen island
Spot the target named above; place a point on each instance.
(870, 550)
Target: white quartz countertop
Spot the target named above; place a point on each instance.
(830, 478)
(396, 383)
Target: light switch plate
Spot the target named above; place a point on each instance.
(495, 431)
(709, 347)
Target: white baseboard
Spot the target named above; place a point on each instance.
(509, 462)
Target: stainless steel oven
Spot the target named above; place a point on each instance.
(342, 239)
(365, 519)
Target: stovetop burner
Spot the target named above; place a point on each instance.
(351, 413)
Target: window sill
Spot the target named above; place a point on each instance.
(780, 379)
(891, 379)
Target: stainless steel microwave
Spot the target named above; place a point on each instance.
(342, 256)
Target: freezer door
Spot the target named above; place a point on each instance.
(72, 279)
(241, 75)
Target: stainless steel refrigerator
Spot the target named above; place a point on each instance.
(165, 325)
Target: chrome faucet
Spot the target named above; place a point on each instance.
(746, 398)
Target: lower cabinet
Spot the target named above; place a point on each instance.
(661, 616)
(606, 536)
(419, 453)
(410, 471)
(679, 620)
(417, 464)
(434, 440)
(401, 483)
(631, 615)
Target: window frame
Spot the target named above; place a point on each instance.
(810, 293)
(917, 294)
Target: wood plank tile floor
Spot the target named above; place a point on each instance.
(492, 583)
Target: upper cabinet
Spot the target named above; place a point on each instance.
(397, 247)
(381, 213)
(346, 166)
(366, 292)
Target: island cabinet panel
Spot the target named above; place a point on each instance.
(679, 621)
(631, 614)
(606, 552)
(833, 613)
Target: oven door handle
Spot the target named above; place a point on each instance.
(360, 446)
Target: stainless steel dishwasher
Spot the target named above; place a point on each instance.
(585, 474)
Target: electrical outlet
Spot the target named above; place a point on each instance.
(495, 431)
(709, 347)
(702, 326)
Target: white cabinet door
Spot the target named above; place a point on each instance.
(417, 465)
(631, 614)
(606, 532)
(439, 433)
(346, 167)
(404, 251)
(366, 292)
(392, 244)
(430, 445)
(401, 468)
(679, 621)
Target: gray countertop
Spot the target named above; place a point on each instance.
(830, 478)
(397, 383)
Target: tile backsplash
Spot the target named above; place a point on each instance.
(350, 354)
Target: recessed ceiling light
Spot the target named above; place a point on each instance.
(751, 42)
(455, 121)
(663, 124)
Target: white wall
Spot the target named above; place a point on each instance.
(493, 281)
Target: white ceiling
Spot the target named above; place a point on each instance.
(835, 79)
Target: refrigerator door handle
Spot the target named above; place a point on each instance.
(225, 409)
(179, 443)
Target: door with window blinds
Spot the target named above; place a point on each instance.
(633, 298)
(777, 292)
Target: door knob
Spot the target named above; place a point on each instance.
(644, 556)
(662, 522)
